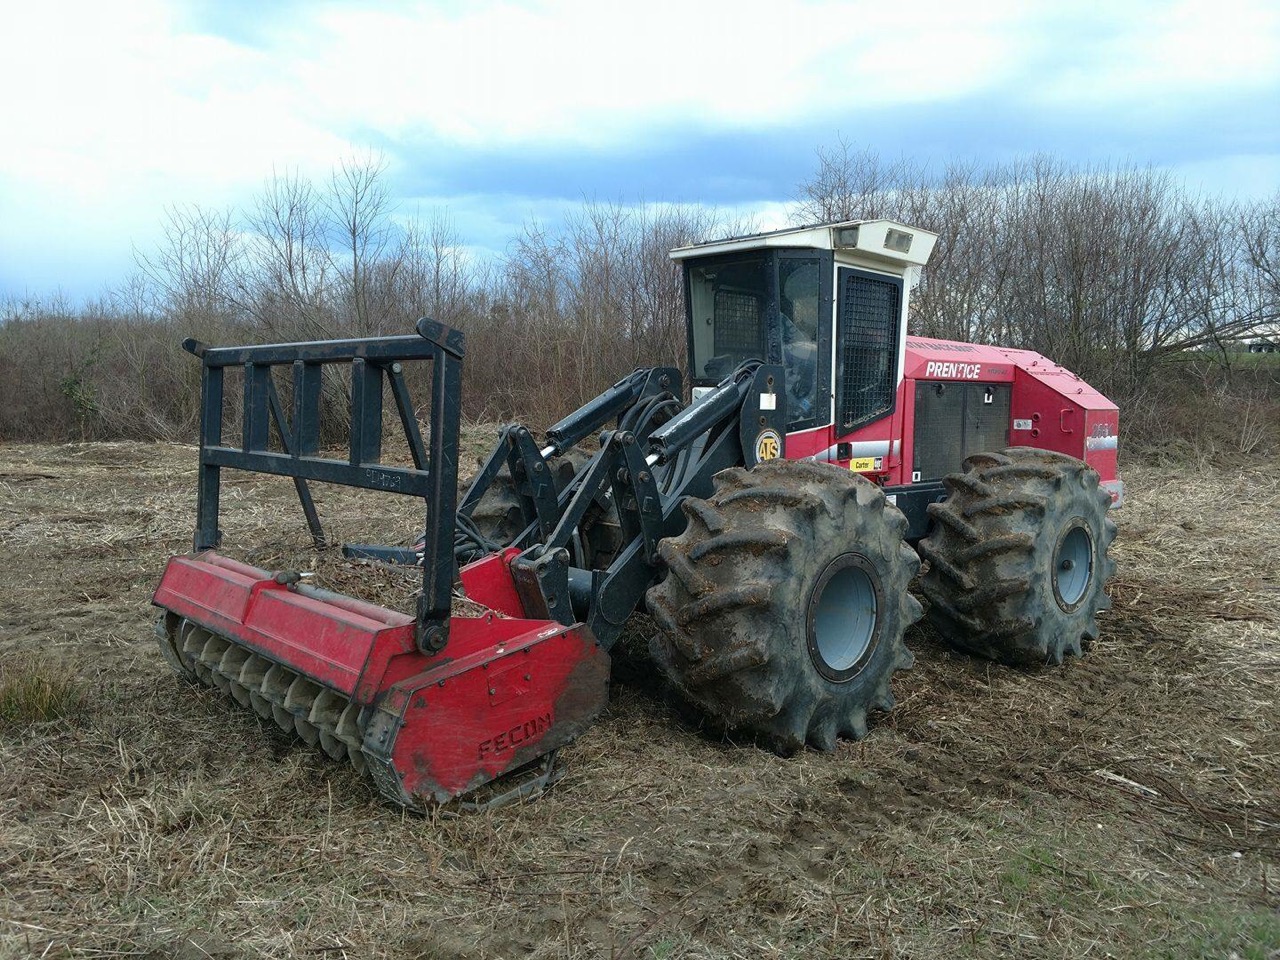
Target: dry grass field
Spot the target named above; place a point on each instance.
(1125, 805)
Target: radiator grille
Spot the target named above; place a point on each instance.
(737, 325)
(954, 420)
(870, 311)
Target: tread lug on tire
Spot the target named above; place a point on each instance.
(786, 604)
(1017, 553)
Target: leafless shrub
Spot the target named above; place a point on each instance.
(1110, 270)
(1113, 271)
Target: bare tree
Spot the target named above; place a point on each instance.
(361, 240)
(286, 280)
(194, 267)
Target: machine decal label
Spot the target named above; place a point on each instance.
(768, 401)
(531, 729)
(1022, 424)
(866, 464)
(945, 369)
(935, 345)
(768, 445)
(891, 498)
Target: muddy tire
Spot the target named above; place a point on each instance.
(1017, 556)
(498, 515)
(499, 518)
(786, 600)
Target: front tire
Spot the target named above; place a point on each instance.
(785, 604)
(1017, 556)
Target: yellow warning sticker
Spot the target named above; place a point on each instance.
(862, 464)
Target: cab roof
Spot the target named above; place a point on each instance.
(888, 240)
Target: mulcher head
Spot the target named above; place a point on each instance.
(348, 678)
(431, 706)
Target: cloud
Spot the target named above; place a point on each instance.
(114, 110)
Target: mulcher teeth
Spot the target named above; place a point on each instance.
(322, 717)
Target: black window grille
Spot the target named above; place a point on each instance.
(738, 330)
(870, 314)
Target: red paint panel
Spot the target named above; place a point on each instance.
(207, 589)
(334, 645)
(470, 721)
(929, 359)
(1059, 411)
(488, 581)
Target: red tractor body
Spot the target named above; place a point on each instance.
(1008, 398)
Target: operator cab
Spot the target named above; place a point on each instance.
(827, 302)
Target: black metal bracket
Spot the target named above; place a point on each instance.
(647, 479)
(376, 365)
(543, 503)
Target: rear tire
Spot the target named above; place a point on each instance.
(1017, 556)
(498, 515)
(785, 604)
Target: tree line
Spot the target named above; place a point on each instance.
(1114, 271)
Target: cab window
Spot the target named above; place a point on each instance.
(729, 309)
(799, 303)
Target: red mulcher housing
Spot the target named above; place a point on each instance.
(770, 523)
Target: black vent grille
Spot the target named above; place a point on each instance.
(737, 325)
(870, 311)
(954, 420)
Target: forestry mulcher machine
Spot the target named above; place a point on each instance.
(771, 527)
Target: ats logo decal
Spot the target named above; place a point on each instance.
(768, 445)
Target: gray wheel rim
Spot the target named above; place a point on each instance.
(844, 613)
(1072, 566)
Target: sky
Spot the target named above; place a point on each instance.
(498, 113)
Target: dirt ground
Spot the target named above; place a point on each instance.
(1126, 804)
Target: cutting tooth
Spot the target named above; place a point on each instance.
(332, 746)
(275, 683)
(194, 638)
(211, 653)
(327, 708)
(299, 701)
(241, 694)
(275, 687)
(348, 731)
(282, 717)
(233, 661)
(251, 676)
(214, 650)
(325, 712)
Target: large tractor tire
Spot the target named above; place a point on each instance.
(499, 519)
(1017, 556)
(498, 515)
(785, 603)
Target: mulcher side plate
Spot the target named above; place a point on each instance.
(347, 677)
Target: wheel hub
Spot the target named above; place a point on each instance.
(844, 617)
(1072, 566)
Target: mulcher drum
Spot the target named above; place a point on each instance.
(347, 677)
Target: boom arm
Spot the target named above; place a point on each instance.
(647, 478)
